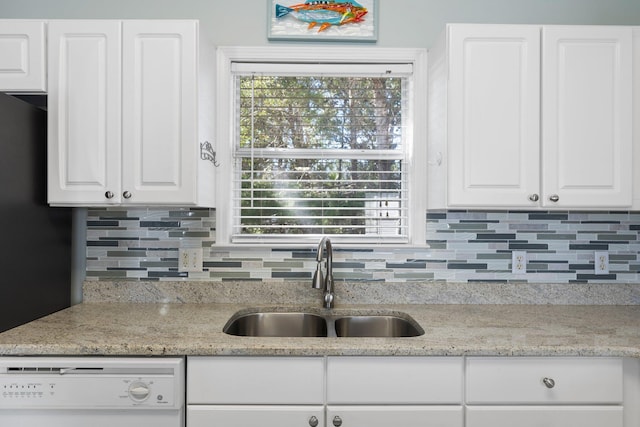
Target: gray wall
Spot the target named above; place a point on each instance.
(406, 23)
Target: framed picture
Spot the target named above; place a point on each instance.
(327, 20)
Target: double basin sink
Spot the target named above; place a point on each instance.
(301, 323)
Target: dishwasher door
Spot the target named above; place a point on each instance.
(92, 392)
(89, 418)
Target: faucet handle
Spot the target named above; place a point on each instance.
(328, 299)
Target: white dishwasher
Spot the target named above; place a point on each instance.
(91, 392)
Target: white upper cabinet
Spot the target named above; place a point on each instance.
(586, 116)
(84, 112)
(528, 116)
(123, 122)
(22, 56)
(494, 94)
(159, 111)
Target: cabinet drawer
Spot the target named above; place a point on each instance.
(395, 416)
(521, 380)
(547, 416)
(394, 380)
(255, 380)
(252, 416)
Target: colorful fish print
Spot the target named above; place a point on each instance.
(324, 12)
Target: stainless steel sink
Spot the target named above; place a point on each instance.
(277, 324)
(262, 323)
(376, 326)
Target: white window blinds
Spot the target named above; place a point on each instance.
(320, 150)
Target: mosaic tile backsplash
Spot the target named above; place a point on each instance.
(464, 246)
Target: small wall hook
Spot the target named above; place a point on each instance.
(207, 153)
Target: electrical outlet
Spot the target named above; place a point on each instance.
(518, 262)
(190, 259)
(601, 265)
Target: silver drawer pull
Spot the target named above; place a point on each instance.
(313, 421)
(337, 421)
(549, 382)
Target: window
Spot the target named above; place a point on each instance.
(323, 148)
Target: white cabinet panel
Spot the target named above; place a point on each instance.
(252, 416)
(159, 110)
(587, 105)
(394, 380)
(489, 144)
(123, 114)
(520, 380)
(494, 92)
(84, 111)
(255, 380)
(545, 416)
(400, 416)
(22, 56)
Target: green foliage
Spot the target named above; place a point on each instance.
(311, 194)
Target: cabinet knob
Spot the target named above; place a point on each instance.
(554, 198)
(549, 382)
(108, 195)
(337, 421)
(126, 194)
(534, 197)
(313, 422)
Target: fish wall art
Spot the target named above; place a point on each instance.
(323, 19)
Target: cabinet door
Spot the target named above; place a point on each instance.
(547, 416)
(84, 111)
(400, 416)
(586, 144)
(160, 111)
(494, 115)
(22, 56)
(252, 416)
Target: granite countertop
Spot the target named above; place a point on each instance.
(159, 329)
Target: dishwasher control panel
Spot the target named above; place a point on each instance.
(80, 384)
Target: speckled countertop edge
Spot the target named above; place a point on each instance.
(163, 329)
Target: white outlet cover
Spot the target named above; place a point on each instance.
(519, 262)
(601, 262)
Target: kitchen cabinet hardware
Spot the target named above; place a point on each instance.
(313, 421)
(108, 195)
(554, 198)
(126, 194)
(337, 421)
(534, 197)
(549, 382)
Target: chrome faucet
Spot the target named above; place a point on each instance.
(326, 282)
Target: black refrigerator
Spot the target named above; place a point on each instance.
(35, 255)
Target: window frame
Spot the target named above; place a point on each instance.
(225, 131)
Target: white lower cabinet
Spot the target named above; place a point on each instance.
(550, 392)
(319, 392)
(547, 416)
(253, 416)
(394, 391)
(255, 391)
(397, 416)
(358, 391)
